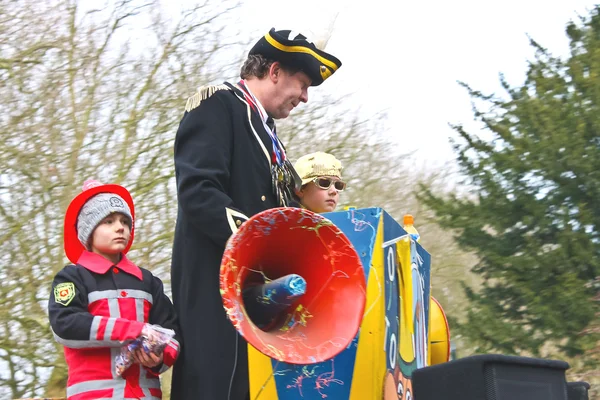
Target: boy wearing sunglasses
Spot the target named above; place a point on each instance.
(322, 183)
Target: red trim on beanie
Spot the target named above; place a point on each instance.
(73, 247)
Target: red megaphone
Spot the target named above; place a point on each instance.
(313, 324)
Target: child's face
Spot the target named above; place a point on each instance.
(112, 234)
(317, 199)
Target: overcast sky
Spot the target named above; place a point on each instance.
(406, 57)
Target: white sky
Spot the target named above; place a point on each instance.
(406, 57)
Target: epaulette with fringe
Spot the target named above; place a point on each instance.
(203, 93)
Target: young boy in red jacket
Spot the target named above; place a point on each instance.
(104, 301)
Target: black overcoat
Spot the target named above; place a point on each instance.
(223, 174)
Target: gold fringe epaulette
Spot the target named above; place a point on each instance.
(203, 93)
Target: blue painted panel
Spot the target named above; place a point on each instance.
(332, 379)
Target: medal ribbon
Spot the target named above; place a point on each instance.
(278, 155)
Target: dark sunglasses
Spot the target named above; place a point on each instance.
(325, 184)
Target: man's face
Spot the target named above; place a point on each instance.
(288, 91)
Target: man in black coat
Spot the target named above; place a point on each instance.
(230, 165)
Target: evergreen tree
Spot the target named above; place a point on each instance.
(531, 211)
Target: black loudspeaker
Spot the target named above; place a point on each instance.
(578, 390)
(492, 377)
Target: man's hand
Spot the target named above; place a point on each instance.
(147, 360)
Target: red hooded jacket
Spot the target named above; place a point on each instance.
(95, 308)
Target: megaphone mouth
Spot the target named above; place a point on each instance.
(275, 250)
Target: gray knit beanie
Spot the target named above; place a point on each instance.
(95, 210)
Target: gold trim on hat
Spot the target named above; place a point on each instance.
(300, 49)
(325, 72)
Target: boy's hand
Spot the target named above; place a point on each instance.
(147, 360)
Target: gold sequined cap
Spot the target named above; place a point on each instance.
(317, 164)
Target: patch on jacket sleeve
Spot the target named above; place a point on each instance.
(64, 293)
(203, 93)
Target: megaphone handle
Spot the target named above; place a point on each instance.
(264, 302)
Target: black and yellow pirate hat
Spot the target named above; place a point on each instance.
(297, 52)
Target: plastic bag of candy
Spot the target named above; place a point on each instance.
(153, 339)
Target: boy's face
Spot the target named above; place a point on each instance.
(317, 199)
(112, 235)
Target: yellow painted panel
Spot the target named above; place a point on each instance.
(407, 352)
(369, 369)
(261, 375)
